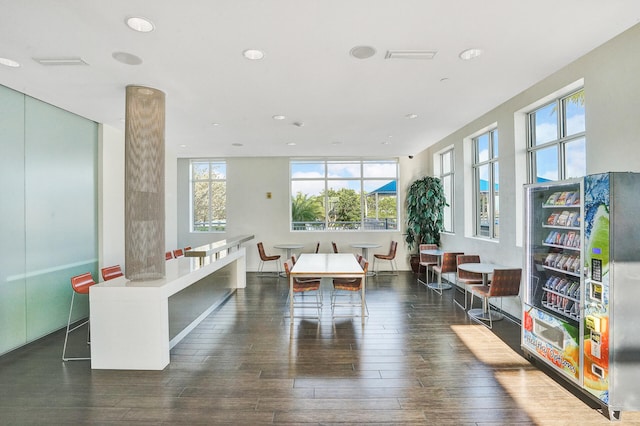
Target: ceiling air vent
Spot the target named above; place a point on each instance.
(60, 61)
(410, 54)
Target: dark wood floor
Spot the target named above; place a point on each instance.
(416, 360)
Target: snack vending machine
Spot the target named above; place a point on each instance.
(581, 305)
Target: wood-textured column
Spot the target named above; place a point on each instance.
(144, 183)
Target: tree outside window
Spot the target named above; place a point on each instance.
(208, 195)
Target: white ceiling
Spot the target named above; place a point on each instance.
(349, 107)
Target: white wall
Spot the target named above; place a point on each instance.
(612, 102)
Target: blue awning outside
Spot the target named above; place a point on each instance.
(387, 188)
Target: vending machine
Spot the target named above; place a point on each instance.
(581, 305)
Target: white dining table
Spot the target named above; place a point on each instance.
(485, 269)
(436, 286)
(331, 265)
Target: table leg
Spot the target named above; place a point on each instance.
(291, 297)
(364, 286)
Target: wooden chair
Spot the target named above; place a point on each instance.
(266, 258)
(467, 278)
(178, 253)
(391, 257)
(187, 248)
(348, 287)
(427, 260)
(80, 285)
(111, 272)
(302, 286)
(334, 246)
(448, 265)
(504, 283)
(168, 255)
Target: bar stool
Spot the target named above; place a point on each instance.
(80, 284)
(111, 272)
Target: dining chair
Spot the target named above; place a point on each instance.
(178, 253)
(347, 287)
(335, 247)
(467, 278)
(187, 248)
(264, 258)
(448, 265)
(80, 285)
(504, 283)
(111, 272)
(302, 286)
(427, 260)
(391, 257)
(168, 255)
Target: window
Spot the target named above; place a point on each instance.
(208, 195)
(556, 139)
(446, 177)
(486, 189)
(355, 195)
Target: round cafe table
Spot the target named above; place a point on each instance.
(442, 286)
(485, 269)
(289, 247)
(365, 251)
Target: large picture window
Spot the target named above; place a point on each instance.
(208, 195)
(486, 189)
(556, 139)
(344, 195)
(446, 177)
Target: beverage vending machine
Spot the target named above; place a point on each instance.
(581, 304)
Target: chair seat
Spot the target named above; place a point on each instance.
(302, 286)
(273, 257)
(482, 290)
(469, 281)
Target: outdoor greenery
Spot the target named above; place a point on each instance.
(209, 201)
(425, 212)
(341, 208)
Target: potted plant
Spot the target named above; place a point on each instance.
(425, 214)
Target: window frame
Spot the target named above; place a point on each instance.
(492, 162)
(560, 142)
(448, 210)
(220, 226)
(326, 226)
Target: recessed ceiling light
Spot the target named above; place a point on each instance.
(362, 52)
(9, 63)
(470, 54)
(61, 61)
(237, 144)
(126, 58)
(253, 54)
(140, 24)
(278, 117)
(411, 116)
(291, 143)
(183, 146)
(215, 124)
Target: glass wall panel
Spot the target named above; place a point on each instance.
(12, 251)
(61, 212)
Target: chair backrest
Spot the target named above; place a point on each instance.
(178, 253)
(111, 272)
(393, 249)
(364, 264)
(293, 259)
(81, 283)
(466, 275)
(428, 258)
(449, 262)
(318, 247)
(335, 247)
(505, 282)
(168, 255)
(287, 266)
(187, 248)
(261, 252)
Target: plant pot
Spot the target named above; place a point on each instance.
(414, 261)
